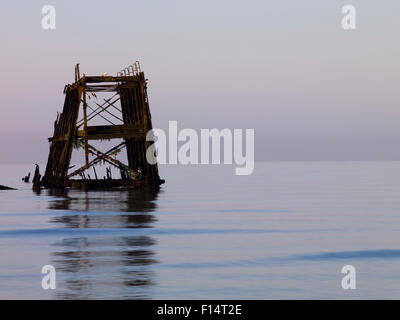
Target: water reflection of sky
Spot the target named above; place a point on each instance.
(282, 233)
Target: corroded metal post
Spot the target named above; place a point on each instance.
(85, 137)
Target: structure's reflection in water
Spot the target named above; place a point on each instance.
(113, 264)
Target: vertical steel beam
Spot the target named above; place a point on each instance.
(85, 124)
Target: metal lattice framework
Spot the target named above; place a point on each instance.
(129, 122)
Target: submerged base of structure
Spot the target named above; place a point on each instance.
(108, 184)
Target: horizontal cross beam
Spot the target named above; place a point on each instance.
(123, 131)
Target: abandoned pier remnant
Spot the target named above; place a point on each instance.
(124, 108)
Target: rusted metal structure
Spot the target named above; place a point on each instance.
(129, 88)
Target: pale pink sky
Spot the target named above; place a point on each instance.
(311, 90)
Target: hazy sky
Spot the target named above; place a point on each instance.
(311, 90)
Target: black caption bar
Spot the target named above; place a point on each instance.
(195, 309)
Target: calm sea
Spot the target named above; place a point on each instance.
(284, 232)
